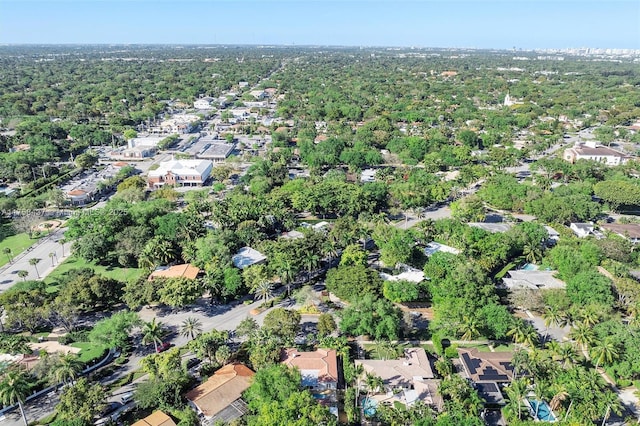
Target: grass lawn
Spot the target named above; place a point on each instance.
(17, 243)
(480, 347)
(73, 262)
(89, 350)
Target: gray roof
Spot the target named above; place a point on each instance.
(532, 279)
(247, 257)
(492, 227)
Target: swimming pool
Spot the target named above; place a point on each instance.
(369, 407)
(544, 412)
(529, 267)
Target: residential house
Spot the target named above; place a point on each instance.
(408, 274)
(583, 230)
(486, 366)
(434, 247)
(493, 227)
(219, 399)
(593, 151)
(157, 418)
(368, 175)
(258, 94)
(204, 103)
(319, 371)
(552, 236)
(292, 235)
(180, 173)
(406, 380)
(532, 279)
(630, 231)
(185, 270)
(247, 257)
(488, 371)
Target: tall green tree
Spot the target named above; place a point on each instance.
(14, 389)
(152, 332)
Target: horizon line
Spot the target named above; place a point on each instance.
(313, 45)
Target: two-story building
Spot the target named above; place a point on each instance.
(594, 152)
(180, 173)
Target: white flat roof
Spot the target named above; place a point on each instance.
(182, 167)
(434, 247)
(247, 257)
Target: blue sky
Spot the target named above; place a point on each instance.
(423, 23)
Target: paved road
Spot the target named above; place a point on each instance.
(40, 250)
(217, 317)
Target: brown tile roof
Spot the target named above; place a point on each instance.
(486, 366)
(630, 230)
(324, 361)
(157, 418)
(184, 270)
(599, 150)
(396, 372)
(223, 388)
(77, 192)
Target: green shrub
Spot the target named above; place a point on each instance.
(451, 352)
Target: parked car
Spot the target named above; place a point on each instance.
(163, 347)
(192, 363)
(110, 408)
(127, 398)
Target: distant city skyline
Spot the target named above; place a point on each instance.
(520, 24)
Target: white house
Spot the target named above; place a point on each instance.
(204, 103)
(583, 230)
(593, 151)
(180, 173)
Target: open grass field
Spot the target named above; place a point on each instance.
(73, 262)
(17, 243)
(89, 351)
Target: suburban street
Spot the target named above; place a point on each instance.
(40, 250)
(217, 317)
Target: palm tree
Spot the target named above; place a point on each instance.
(552, 317)
(223, 354)
(568, 318)
(14, 388)
(287, 275)
(589, 316)
(374, 383)
(524, 333)
(23, 274)
(532, 252)
(604, 352)
(191, 327)
(311, 262)
(51, 256)
(386, 350)
(33, 262)
(566, 354)
(8, 252)
(583, 335)
(559, 396)
(469, 327)
(613, 403)
(516, 391)
(62, 241)
(263, 291)
(152, 332)
(66, 369)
